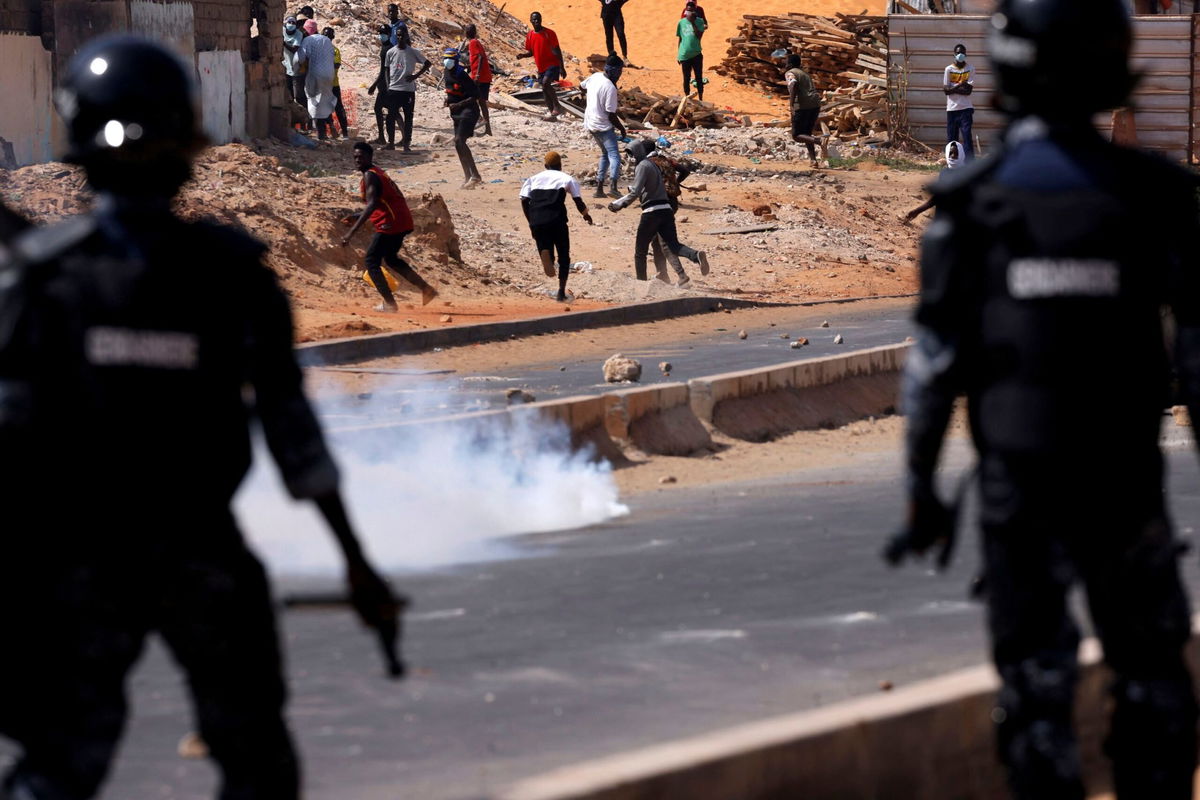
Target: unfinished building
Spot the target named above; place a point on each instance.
(233, 45)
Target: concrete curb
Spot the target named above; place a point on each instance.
(929, 741)
(760, 404)
(364, 348)
(667, 419)
(656, 419)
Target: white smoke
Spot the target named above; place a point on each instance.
(428, 495)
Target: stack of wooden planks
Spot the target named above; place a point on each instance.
(662, 111)
(846, 55)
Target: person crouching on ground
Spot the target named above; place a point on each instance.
(389, 213)
(462, 98)
(601, 121)
(658, 215)
(544, 201)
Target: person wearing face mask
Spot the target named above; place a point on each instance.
(462, 98)
(316, 54)
(293, 35)
(958, 84)
(384, 36)
(601, 121)
(690, 56)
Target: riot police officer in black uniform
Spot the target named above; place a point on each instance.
(135, 349)
(1043, 277)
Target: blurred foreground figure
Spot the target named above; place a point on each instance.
(135, 349)
(1037, 258)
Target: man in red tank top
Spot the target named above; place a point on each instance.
(388, 212)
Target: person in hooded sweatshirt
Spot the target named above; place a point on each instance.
(658, 214)
(954, 160)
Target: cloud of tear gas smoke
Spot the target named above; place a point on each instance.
(428, 495)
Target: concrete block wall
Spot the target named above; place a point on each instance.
(21, 16)
(223, 25)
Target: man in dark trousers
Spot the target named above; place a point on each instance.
(804, 101)
(544, 201)
(613, 19)
(146, 416)
(1034, 256)
(541, 44)
(388, 211)
(405, 66)
(658, 214)
(479, 67)
(462, 98)
(384, 36)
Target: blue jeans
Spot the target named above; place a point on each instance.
(610, 156)
(958, 129)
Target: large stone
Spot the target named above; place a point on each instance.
(622, 368)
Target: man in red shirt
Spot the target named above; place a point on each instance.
(388, 212)
(481, 72)
(691, 4)
(542, 44)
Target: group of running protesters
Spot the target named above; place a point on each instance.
(466, 79)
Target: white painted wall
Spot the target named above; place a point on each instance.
(222, 94)
(26, 97)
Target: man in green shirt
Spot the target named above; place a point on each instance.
(805, 103)
(689, 30)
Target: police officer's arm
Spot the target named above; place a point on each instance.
(1185, 303)
(295, 440)
(372, 204)
(932, 381)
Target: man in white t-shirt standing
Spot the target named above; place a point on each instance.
(404, 66)
(958, 83)
(601, 120)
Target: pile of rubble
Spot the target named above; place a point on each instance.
(846, 56)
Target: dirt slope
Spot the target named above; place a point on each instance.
(650, 29)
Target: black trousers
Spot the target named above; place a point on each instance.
(339, 110)
(658, 223)
(1046, 528)
(555, 237)
(693, 66)
(615, 22)
(380, 104)
(213, 610)
(395, 103)
(385, 248)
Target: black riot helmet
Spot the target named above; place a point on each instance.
(129, 107)
(1032, 42)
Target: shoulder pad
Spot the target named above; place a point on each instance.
(953, 181)
(43, 244)
(234, 243)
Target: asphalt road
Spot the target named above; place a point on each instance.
(407, 394)
(701, 609)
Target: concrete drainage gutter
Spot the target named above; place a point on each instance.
(676, 418)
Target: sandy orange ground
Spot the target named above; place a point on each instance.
(650, 29)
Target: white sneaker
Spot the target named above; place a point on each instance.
(385, 308)
(684, 282)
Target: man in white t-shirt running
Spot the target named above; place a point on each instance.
(544, 201)
(958, 83)
(601, 120)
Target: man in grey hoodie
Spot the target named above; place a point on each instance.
(658, 214)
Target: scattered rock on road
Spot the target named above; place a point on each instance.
(447, 318)
(742, 334)
(515, 396)
(668, 479)
(622, 368)
(664, 367)
(885, 686)
(838, 339)
(825, 324)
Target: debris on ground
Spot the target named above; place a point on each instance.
(619, 368)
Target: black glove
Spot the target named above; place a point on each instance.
(931, 524)
(379, 608)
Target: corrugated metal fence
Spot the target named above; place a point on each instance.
(1164, 52)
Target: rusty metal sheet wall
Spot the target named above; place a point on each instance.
(1163, 53)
